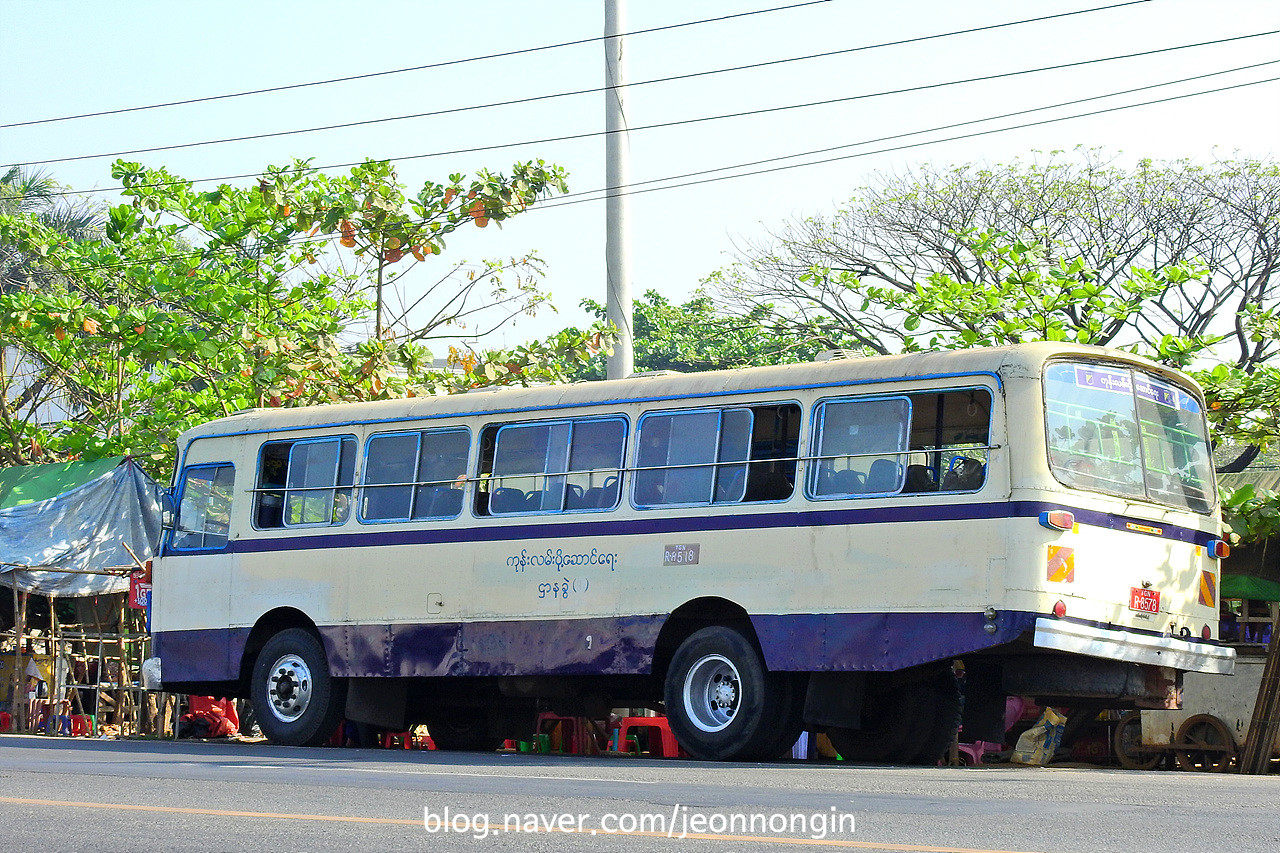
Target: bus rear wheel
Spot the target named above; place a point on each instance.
(296, 701)
(722, 703)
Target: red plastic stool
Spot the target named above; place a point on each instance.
(81, 725)
(574, 734)
(6, 721)
(665, 745)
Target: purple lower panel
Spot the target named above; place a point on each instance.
(211, 654)
(871, 642)
(608, 646)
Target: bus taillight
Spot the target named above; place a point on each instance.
(1218, 549)
(1060, 609)
(1057, 519)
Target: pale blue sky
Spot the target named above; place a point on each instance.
(61, 57)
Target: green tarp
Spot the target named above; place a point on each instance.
(1244, 586)
(31, 483)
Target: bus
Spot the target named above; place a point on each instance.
(837, 546)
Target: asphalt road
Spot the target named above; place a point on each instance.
(95, 795)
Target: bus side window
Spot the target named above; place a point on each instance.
(305, 482)
(551, 467)
(414, 475)
(204, 513)
(860, 447)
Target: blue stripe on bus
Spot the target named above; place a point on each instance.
(621, 645)
(560, 529)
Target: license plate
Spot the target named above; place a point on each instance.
(1144, 600)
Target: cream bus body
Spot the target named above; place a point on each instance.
(854, 599)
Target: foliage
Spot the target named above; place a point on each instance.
(1080, 211)
(191, 305)
(1174, 260)
(1250, 515)
(694, 336)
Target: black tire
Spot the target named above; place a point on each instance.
(722, 704)
(790, 724)
(296, 701)
(890, 718)
(948, 712)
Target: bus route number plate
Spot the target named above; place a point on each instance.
(680, 555)
(1144, 600)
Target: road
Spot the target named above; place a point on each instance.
(98, 795)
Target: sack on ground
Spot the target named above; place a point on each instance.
(1038, 743)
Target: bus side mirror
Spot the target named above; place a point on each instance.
(168, 510)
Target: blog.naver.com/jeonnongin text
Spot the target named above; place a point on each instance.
(679, 822)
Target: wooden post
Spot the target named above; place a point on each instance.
(1255, 758)
(19, 694)
(55, 683)
(19, 674)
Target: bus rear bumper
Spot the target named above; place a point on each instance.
(1121, 645)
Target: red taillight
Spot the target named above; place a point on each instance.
(1206, 632)
(1218, 549)
(1060, 609)
(1057, 519)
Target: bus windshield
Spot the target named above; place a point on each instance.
(1125, 432)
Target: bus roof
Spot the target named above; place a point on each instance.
(1000, 362)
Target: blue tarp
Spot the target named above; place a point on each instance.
(62, 545)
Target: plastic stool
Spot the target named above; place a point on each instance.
(6, 721)
(81, 725)
(665, 746)
(574, 735)
(392, 739)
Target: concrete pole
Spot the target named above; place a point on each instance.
(617, 250)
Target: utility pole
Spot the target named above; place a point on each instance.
(617, 250)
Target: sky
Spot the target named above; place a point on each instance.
(67, 57)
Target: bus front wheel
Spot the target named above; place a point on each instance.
(296, 701)
(721, 701)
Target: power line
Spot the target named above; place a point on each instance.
(741, 114)
(565, 201)
(562, 200)
(555, 95)
(554, 204)
(444, 64)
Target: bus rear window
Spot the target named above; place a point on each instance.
(1125, 432)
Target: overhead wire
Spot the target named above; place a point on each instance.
(444, 64)
(565, 201)
(740, 114)
(555, 95)
(610, 192)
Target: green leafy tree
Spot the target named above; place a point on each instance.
(694, 336)
(1175, 260)
(192, 304)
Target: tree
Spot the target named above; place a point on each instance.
(192, 305)
(905, 228)
(1175, 259)
(694, 336)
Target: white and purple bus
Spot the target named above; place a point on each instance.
(754, 552)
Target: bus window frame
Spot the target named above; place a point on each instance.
(284, 490)
(715, 465)
(170, 545)
(491, 476)
(817, 414)
(416, 484)
(1131, 370)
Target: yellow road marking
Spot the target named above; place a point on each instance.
(764, 839)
